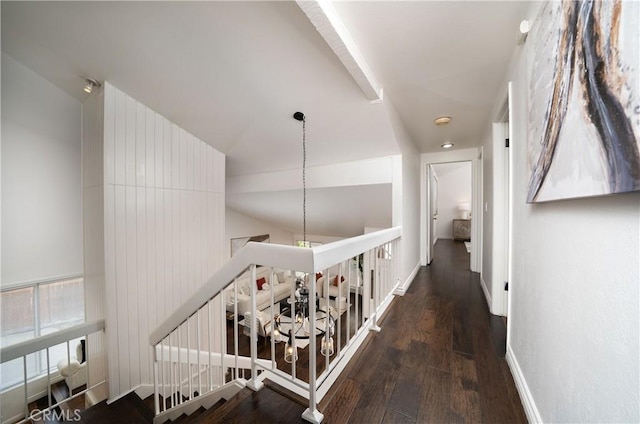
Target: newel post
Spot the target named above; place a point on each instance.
(312, 414)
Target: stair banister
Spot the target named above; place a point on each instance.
(295, 259)
(277, 256)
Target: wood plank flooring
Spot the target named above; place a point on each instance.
(438, 359)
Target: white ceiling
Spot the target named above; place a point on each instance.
(233, 73)
(438, 58)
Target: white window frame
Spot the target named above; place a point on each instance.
(40, 362)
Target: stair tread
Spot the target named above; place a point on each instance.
(184, 419)
(127, 410)
(222, 408)
(248, 406)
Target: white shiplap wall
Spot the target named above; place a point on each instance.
(93, 235)
(163, 228)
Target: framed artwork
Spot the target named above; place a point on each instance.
(584, 100)
(238, 243)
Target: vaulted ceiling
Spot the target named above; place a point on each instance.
(233, 73)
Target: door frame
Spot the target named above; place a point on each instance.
(474, 156)
(501, 256)
(432, 215)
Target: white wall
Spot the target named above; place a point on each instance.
(344, 174)
(41, 178)
(93, 238)
(240, 225)
(454, 186)
(163, 226)
(574, 294)
(406, 198)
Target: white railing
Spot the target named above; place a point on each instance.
(44, 343)
(231, 334)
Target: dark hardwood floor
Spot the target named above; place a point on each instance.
(438, 359)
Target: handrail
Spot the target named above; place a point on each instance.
(326, 255)
(278, 256)
(27, 347)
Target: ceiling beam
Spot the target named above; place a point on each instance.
(325, 18)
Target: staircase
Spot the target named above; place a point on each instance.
(267, 405)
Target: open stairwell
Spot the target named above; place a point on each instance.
(305, 345)
(439, 357)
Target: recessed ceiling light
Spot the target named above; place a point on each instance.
(442, 120)
(446, 145)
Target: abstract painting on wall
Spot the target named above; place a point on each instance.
(584, 100)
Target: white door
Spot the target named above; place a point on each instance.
(433, 212)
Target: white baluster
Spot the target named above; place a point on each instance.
(253, 384)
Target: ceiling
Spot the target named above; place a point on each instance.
(233, 73)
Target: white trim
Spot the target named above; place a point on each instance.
(49, 340)
(401, 289)
(487, 295)
(14, 419)
(529, 404)
(121, 395)
(287, 383)
(328, 23)
(144, 391)
(37, 282)
(474, 155)
(91, 399)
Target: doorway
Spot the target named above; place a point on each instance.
(450, 203)
(427, 232)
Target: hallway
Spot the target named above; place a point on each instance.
(439, 357)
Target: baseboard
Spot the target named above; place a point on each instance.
(15, 419)
(487, 295)
(140, 390)
(144, 391)
(402, 288)
(529, 404)
(97, 394)
(121, 395)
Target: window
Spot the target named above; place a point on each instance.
(37, 310)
